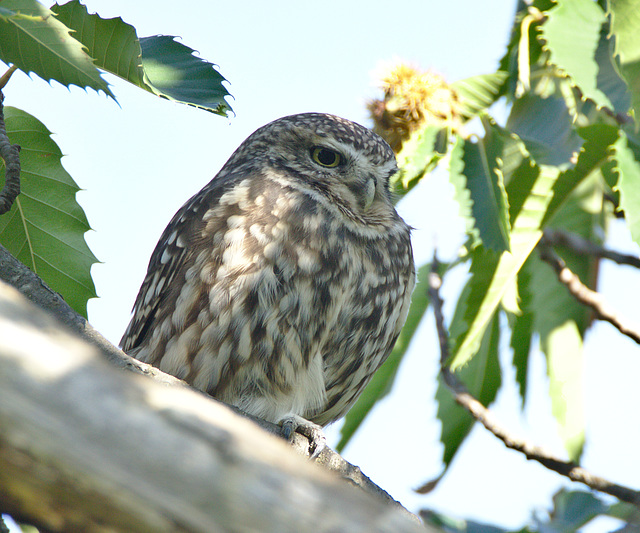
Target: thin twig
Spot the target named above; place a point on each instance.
(10, 154)
(584, 294)
(4, 79)
(486, 418)
(581, 246)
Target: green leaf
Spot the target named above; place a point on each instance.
(560, 320)
(492, 273)
(482, 378)
(537, 201)
(625, 28)
(157, 64)
(45, 227)
(478, 93)
(112, 43)
(572, 34)
(545, 126)
(173, 72)
(628, 170)
(462, 194)
(572, 510)
(485, 182)
(609, 80)
(35, 41)
(594, 153)
(563, 346)
(419, 155)
(522, 331)
(383, 379)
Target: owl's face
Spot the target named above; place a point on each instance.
(336, 160)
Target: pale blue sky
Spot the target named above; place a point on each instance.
(138, 162)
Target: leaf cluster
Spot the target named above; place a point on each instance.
(46, 226)
(568, 158)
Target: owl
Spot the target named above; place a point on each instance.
(281, 286)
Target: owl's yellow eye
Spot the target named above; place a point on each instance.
(325, 157)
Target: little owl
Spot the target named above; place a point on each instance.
(281, 286)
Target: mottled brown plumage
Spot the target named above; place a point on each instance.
(282, 285)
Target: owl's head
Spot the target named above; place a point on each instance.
(333, 158)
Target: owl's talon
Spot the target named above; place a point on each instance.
(296, 424)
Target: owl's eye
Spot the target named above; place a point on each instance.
(325, 157)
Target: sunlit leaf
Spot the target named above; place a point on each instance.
(112, 43)
(628, 170)
(491, 273)
(482, 174)
(45, 227)
(462, 194)
(479, 92)
(572, 33)
(157, 64)
(174, 72)
(419, 155)
(595, 151)
(625, 28)
(35, 41)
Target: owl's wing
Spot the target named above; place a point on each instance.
(169, 260)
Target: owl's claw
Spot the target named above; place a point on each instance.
(296, 424)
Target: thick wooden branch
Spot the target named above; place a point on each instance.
(30, 285)
(84, 446)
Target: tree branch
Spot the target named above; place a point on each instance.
(10, 154)
(581, 246)
(584, 294)
(30, 285)
(86, 447)
(486, 418)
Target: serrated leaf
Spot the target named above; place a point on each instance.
(609, 80)
(538, 201)
(628, 170)
(173, 72)
(594, 153)
(383, 379)
(572, 510)
(45, 227)
(491, 272)
(485, 182)
(112, 43)
(482, 377)
(478, 172)
(461, 192)
(478, 93)
(545, 126)
(625, 28)
(419, 155)
(522, 332)
(157, 64)
(35, 41)
(559, 319)
(572, 33)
